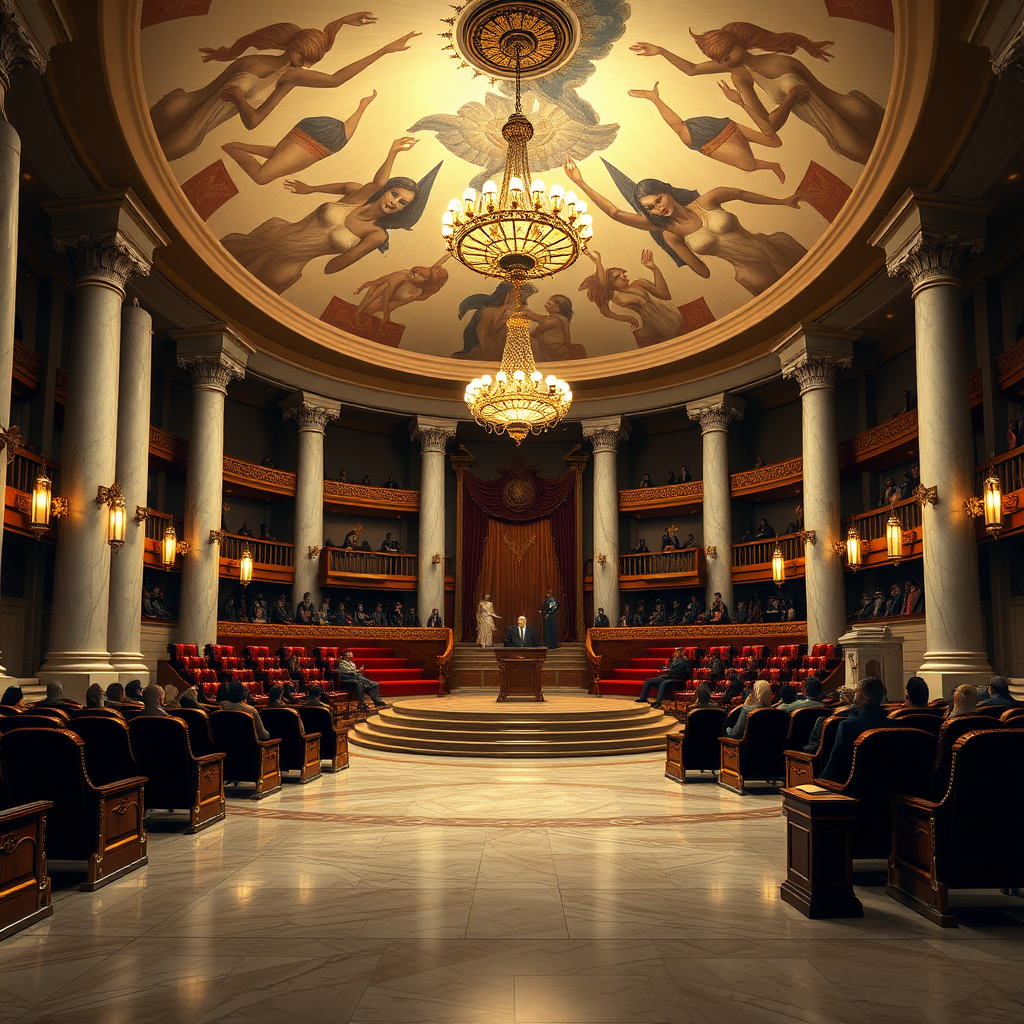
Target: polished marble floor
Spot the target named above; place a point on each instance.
(548, 892)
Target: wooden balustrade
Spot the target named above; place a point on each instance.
(25, 467)
(1009, 468)
(371, 563)
(871, 529)
(655, 563)
(157, 523)
(277, 553)
(1010, 368)
(752, 559)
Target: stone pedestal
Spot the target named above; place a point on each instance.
(214, 356)
(714, 414)
(929, 238)
(874, 651)
(311, 414)
(124, 626)
(813, 356)
(433, 435)
(604, 435)
(109, 237)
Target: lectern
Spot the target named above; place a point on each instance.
(519, 671)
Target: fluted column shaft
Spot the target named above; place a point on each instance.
(124, 627)
(714, 418)
(433, 436)
(604, 437)
(311, 415)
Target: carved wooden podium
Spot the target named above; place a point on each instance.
(519, 671)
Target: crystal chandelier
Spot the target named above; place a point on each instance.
(519, 232)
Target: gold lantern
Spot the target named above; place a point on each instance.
(778, 566)
(854, 549)
(42, 497)
(169, 546)
(894, 538)
(245, 568)
(992, 496)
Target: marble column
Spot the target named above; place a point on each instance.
(124, 623)
(21, 45)
(214, 356)
(311, 414)
(109, 238)
(714, 414)
(433, 434)
(604, 434)
(928, 239)
(813, 355)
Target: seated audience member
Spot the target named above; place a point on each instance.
(114, 695)
(717, 670)
(965, 701)
(288, 694)
(676, 672)
(351, 678)
(866, 713)
(94, 696)
(671, 478)
(702, 698)
(245, 530)
(281, 613)
(313, 695)
(916, 693)
(276, 696)
(189, 698)
(845, 696)
(645, 480)
(153, 701)
(237, 702)
(13, 697)
(171, 696)
(601, 621)
(393, 484)
(764, 530)
(760, 697)
(998, 694)
(365, 482)
(732, 691)
(787, 695)
(435, 619)
(413, 618)
(684, 475)
(54, 695)
(809, 698)
(133, 692)
(741, 612)
(304, 611)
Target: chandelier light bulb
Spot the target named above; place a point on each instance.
(571, 199)
(581, 207)
(469, 196)
(490, 189)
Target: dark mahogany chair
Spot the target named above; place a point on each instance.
(333, 738)
(24, 884)
(28, 720)
(108, 748)
(1012, 715)
(178, 779)
(199, 736)
(104, 712)
(300, 751)
(98, 826)
(696, 747)
(929, 723)
(952, 729)
(6, 711)
(801, 725)
(758, 753)
(249, 759)
(803, 767)
(972, 837)
(886, 762)
(990, 712)
(902, 711)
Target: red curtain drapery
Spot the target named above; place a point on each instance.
(548, 495)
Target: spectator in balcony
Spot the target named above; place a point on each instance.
(304, 611)
(791, 610)
(764, 530)
(758, 462)
(434, 621)
(351, 541)
(908, 404)
(365, 546)
(245, 530)
(267, 461)
(390, 545)
(913, 602)
(360, 616)
(366, 481)
(393, 484)
(325, 615)
(645, 480)
(689, 542)
(691, 611)
(684, 475)
(380, 617)
(259, 609)
(157, 604)
(413, 618)
(343, 477)
(675, 613)
(601, 621)
(230, 610)
(890, 492)
(669, 540)
(719, 611)
(760, 697)
(624, 616)
(147, 604)
(640, 615)
(792, 527)
(907, 487)
(641, 548)
(877, 603)
(741, 612)
(281, 613)
(657, 614)
(265, 532)
(671, 479)
(894, 605)
(748, 535)
(916, 693)
(396, 617)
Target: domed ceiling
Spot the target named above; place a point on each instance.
(714, 140)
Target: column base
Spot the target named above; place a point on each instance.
(77, 670)
(129, 665)
(944, 671)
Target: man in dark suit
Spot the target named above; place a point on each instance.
(521, 635)
(601, 620)
(676, 672)
(867, 713)
(998, 694)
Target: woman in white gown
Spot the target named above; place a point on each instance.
(849, 122)
(253, 86)
(277, 251)
(486, 621)
(693, 225)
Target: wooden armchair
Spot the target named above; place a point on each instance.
(971, 838)
(333, 736)
(929, 723)
(758, 754)
(886, 761)
(952, 729)
(108, 748)
(30, 720)
(99, 825)
(696, 747)
(249, 759)
(199, 736)
(177, 777)
(300, 751)
(24, 884)
(1012, 715)
(803, 767)
(801, 725)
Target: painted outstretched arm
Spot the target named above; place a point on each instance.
(310, 79)
(606, 206)
(659, 289)
(354, 189)
(718, 196)
(708, 67)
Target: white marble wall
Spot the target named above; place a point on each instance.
(433, 435)
(132, 465)
(604, 435)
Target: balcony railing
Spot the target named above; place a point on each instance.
(23, 470)
(667, 563)
(759, 552)
(344, 562)
(264, 552)
(1009, 468)
(871, 525)
(157, 523)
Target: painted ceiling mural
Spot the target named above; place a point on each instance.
(714, 140)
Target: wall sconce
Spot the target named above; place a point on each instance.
(778, 566)
(313, 551)
(245, 568)
(45, 505)
(989, 505)
(854, 549)
(436, 560)
(117, 513)
(216, 536)
(602, 560)
(711, 551)
(894, 538)
(142, 513)
(171, 547)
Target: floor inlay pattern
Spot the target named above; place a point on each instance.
(412, 889)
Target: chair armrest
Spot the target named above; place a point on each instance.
(311, 736)
(915, 803)
(268, 743)
(836, 787)
(25, 811)
(730, 741)
(209, 758)
(121, 786)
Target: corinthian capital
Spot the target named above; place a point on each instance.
(813, 355)
(605, 434)
(213, 355)
(934, 257)
(211, 373)
(815, 372)
(716, 412)
(16, 47)
(105, 259)
(310, 412)
(433, 434)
